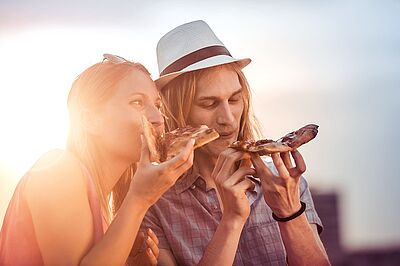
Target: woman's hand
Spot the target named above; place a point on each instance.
(281, 192)
(145, 249)
(152, 180)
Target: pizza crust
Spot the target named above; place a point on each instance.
(151, 137)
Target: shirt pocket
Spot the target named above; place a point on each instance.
(261, 244)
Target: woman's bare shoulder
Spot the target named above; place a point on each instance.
(57, 199)
(56, 176)
(55, 160)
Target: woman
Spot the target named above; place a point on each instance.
(84, 205)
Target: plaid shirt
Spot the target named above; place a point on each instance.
(186, 217)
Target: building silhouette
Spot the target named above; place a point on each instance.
(327, 206)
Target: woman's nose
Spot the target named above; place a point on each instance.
(155, 117)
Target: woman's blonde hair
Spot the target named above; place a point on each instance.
(91, 89)
(178, 96)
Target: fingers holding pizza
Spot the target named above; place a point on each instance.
(284, 164)
(164, 158)
(281, 191)
(232, 184)
(173, 154)
(281, 149)
(300, 165)
(151, 180)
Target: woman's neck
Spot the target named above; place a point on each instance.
(111, 169)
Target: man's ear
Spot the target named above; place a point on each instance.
(92, 122)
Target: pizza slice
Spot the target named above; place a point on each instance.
(165, 146)
(289, 142)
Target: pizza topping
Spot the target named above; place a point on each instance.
(263, 141)
(167, 145)
(289, 142)
(303, 135)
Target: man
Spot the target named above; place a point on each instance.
(220, 212)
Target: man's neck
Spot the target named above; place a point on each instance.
(205, 163)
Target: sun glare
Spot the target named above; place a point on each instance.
(32, 100)
(38, 66)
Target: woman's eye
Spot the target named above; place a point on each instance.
(136, 102)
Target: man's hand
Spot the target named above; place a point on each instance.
(232, 185)
(145, 249)
(281, 192)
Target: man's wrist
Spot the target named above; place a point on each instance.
(286, 211)
(291, 216)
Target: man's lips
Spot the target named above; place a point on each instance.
(226, 135)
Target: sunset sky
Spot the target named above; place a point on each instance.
(336, 64)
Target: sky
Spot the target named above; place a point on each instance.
(333, 63)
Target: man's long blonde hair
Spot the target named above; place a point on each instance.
(178, 96)
(89, 92)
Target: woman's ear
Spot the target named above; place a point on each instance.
(92, 122)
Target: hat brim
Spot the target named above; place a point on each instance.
(206, 63)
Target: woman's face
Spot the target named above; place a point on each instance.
(119, 120)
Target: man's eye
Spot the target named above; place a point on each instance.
(207, 104)
(235, 99)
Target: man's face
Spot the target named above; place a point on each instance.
(218, 104)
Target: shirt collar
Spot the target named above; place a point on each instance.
(187, 180)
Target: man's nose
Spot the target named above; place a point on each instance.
(225, 115)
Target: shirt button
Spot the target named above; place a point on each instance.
(215, 207)
(193, 187)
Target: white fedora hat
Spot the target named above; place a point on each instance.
(188, 47)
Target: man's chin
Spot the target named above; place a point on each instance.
(215, 147)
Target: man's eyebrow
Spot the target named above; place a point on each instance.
(201, 98)
(237, 92)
